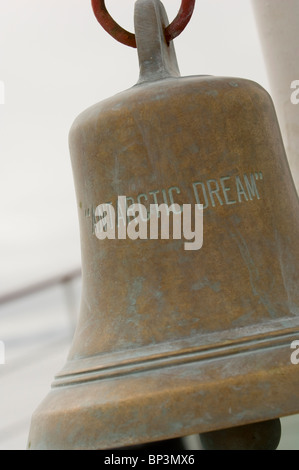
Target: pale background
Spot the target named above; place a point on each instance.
(55, 61)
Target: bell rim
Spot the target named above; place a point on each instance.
(169, 402)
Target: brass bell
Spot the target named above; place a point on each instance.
(172, 342)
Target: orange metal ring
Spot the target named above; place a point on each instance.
(125, 37)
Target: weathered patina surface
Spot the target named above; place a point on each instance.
(173, 342)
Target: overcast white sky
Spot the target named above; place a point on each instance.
(55, 61)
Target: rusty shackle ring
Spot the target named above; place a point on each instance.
(125, 37)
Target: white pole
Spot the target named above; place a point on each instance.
(278, 26)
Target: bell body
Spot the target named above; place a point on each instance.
(208, 140)
(172, 342)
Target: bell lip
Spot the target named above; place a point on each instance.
(169, 402)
